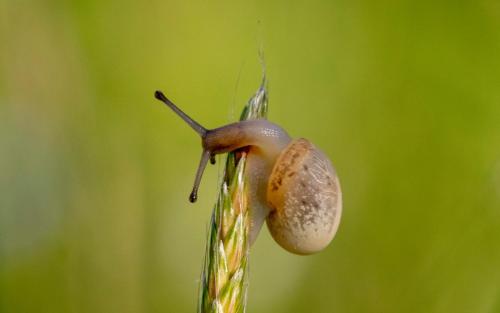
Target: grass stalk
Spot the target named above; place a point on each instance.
(224, 280)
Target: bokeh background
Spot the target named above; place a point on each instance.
(95, 174)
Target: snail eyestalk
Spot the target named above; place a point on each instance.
(205, 156)
(194, 125)
(202, 131)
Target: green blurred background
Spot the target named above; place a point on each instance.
(95, 174)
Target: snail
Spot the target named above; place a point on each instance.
(292, 185)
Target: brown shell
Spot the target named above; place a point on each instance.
(304, 193)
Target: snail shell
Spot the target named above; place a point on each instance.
(305, 197)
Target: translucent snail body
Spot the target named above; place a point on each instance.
(292, 184)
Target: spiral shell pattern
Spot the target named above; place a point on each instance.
(305, 197)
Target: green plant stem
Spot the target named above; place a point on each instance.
(224, 281)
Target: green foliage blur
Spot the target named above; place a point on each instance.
(404, 96)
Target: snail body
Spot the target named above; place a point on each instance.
(292, 184)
